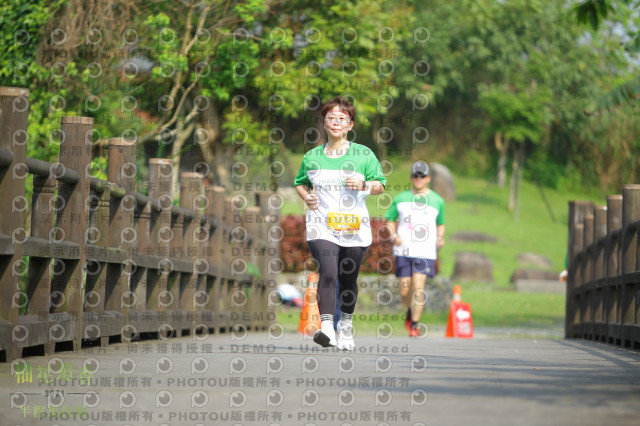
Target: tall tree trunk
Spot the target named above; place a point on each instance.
(175, 159)
(181, 137)
(222, 165)
(503, 149)
(516, 177)
(207, 155)
(209, 139)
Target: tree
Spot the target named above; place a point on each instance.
(489, 43)
(596, 13)
(518, 116)
(237, 84)
(208, 75)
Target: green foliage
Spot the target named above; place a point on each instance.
(623, 94)
(253, 270)
(482, 47)
(325, 65)
(596, 12)
(520, 115)
(543, 169)
(242, 129)
(527, 68)
(250, 10)
(473, 164)
(593, 12)
(21, 24)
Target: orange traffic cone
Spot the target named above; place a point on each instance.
(310, 315)
(459, 323)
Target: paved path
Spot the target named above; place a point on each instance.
(260, 379)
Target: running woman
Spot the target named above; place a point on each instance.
(417, 237)
(334, 180)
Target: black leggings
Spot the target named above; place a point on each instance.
(337, 263)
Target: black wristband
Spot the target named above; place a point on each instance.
(364, 185)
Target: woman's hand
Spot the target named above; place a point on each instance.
(353, 183)
(312, 201)
(397, 240)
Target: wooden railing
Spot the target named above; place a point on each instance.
(603, 286)
(104, 263)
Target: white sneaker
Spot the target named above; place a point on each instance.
(326, 336)
(345, 336)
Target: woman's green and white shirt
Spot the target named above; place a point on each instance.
(342, 216)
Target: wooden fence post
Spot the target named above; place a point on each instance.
(139, 281)
(614, 212)
(270, 204)
(255, 256)
(121, 171)
(190, 199)
(577, 212)
(200, 256)
(14, 112)
(612, 264)
(599, 236)
(72, 222)
(42, 222)
(177, 280)
(40, 269)
(97, 325)
(599, 231)
(216, 210)
(587, 271)
(236, 296)
(160, 175)
(244, 295)
(228, 264)
(586, 292)
(629, 309)
(578, 278)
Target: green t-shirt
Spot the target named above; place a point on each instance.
(342, 216)
(419, 216)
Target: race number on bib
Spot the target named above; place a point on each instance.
(343, 223)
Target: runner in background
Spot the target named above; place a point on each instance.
(417, 235)
(563, 275)
(334, 181)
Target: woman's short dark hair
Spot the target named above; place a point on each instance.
(343, 104)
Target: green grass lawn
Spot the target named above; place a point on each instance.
(533, 231)
(482, 206)
(504, 308)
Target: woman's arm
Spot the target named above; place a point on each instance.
(310, 199)
(376, 187)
